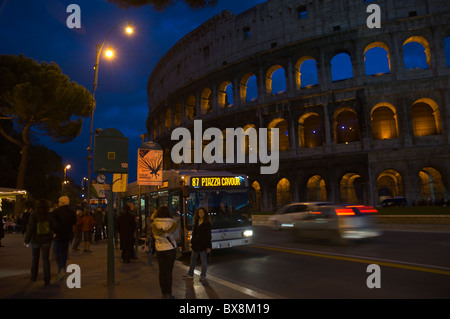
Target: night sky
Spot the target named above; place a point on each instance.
(38, 30)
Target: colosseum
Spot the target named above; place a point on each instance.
(359, 118)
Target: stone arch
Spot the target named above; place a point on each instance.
(178, 114)
(168, 119)
(316, 189)
(377, 49)
(283, 192)
(431, 185)
(384, 120)
(346, 126)
(225, 94)
(191, 106)
(310, 132)
(309, 75)
(248, 84)
(389, 184)
(341, 67)
(427, 51)
(351, 188)
(283, 133)
(258, 196)
(206, 101)
(426, 117)
(280, 83)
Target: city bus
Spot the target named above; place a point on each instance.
(226, 197)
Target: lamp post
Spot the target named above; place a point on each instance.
(109, 54)
(65, 178)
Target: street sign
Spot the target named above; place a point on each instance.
(150, 164)
(111, 152)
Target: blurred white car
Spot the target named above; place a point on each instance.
(338, 223)
(288, 214)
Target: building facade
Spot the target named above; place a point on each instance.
(363, 114)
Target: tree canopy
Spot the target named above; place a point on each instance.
(39, 99)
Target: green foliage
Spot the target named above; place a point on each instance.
(41, 96)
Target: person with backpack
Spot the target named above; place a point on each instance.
(39, 233)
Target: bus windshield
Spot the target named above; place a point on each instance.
(227, 209)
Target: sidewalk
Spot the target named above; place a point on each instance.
(135, 280)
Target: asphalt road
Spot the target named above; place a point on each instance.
(412, 265)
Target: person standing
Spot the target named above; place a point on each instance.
(163, 228)
(63, 220)
(200, 242)
(126, 227)
(77, 232)
(87, 224)
(39, 233)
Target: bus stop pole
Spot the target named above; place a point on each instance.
(111, 226)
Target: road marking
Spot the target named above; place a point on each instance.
(241, 289)
(381, 262)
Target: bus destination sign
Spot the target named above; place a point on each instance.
(217, 181)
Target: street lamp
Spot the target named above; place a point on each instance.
(109, 54)
(65, 178)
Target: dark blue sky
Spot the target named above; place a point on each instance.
(38, 30)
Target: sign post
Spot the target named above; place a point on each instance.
(111, 156)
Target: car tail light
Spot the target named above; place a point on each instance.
(364, 209)
(315, 213)
(344, 212)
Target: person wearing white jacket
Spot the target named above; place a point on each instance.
(163, 228)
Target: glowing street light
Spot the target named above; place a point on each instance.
(109, 54)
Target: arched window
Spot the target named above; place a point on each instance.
(351, 189)
(426, 118)
(283, 192)
(431, 186)
(389, 184)
(225, 94)
(306, 72)
(178, 117)
(316, 189)
(283, 134)
(377, 59)
(258, 200)
(275, 80)
(417, 53)
(310, 130)
(168, 119)
(346, 126)
(384, 122)
(191, 105)
(447, 50)
(248, 88)
(341, 67)
(206, 101)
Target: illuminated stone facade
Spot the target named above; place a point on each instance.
(353, 136)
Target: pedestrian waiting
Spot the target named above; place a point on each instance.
(87, 224)
(39, 233)
(200, 242)
(163, 228)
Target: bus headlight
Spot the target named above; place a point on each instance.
(248, 233)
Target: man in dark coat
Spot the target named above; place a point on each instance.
(63, 219)
(126, 227)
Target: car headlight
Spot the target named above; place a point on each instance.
(248, 233)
